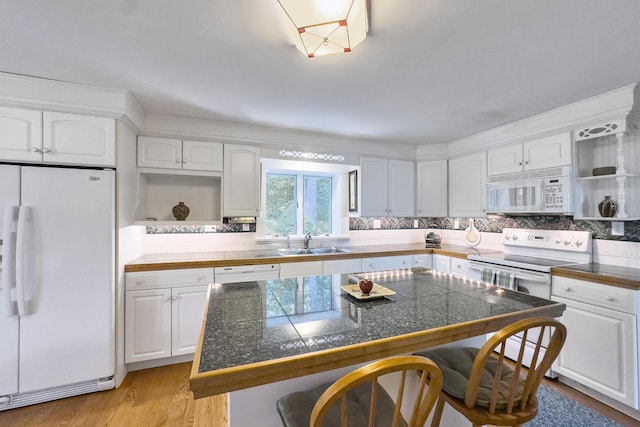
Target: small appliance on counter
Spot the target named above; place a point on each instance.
(432, 240)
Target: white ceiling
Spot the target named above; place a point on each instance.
(430, 71)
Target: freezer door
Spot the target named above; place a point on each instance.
(9, 200)
(67, 335)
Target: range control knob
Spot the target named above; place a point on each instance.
(578, 242)
(507, 237)
(567, 242)
(515, 237)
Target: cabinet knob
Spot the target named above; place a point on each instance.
(178, 161)
(200, 277)
(525, 162)
(567, 288)
(45, 150)
(36, 150)
(167, 299)
(519, 163)
(609, 298)
(174, 298)
(139, 282)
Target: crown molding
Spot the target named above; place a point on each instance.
(597, 109)
(53, 95)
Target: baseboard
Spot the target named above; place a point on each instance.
(154, 363)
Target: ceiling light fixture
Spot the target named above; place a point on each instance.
(324, 27)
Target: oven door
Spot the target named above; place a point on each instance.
(515, 197)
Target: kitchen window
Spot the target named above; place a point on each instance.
(298, 203)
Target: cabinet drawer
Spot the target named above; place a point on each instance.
(594, 293)
(169, 278)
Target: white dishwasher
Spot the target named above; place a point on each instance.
(246, 273)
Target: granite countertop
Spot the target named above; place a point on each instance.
(170, 261)
(624, 277)
(266, 331)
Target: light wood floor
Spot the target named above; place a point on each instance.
(161, 397)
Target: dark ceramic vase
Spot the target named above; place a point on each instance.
(607, 207)
(181, 211)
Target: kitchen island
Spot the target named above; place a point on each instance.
(263, 339)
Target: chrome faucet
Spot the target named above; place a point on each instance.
(288, 241)
(307, 238)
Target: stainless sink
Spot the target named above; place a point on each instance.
(293, 251)
(320, 251)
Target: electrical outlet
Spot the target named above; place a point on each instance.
(617, 228)
(456, 224)
(415, 223)
(376, 223)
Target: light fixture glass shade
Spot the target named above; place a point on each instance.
(323, 27)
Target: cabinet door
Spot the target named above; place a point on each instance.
(241, 178)
(76, 139)
(442, 263)
(504, 160)
(159, 153)
(20, 135)
(459, 267)
(337, 266)
(299, 269)
(401, 188)
(374, 186)
(600, 350)
(424, 260)
(147, 325)
(467, 190)
(387, 262)
(432, 188)
(203, 156)
(547, 152)
(187, 313)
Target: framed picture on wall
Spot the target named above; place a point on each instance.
(353, 191)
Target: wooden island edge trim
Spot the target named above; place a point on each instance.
(240, 377)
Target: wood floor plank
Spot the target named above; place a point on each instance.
(161, 397)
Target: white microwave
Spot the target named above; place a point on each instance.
(546, 191)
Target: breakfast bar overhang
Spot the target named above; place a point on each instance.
(258, 333)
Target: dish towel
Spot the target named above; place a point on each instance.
(488, 275)
(506, 280)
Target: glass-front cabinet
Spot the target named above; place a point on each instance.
(606, 171)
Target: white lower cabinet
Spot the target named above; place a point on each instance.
(601, 348)
(442, 263)
(387, 262)
(164, 312)
(299, 269)
(338, 266)
(423, 260)
(458, 267)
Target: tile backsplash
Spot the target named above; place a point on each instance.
(599, 229)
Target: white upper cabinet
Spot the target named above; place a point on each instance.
(20, 134)
(541, 153)
(387, 187)
(47, 137)
(241, 180)
(169, 153)
(467, 189)
(432, 188)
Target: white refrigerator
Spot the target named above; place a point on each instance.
(57, 286)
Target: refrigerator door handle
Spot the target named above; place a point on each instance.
(22, 272)
(8, 260)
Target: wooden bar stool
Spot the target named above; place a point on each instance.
(479, 383)
(362, 401)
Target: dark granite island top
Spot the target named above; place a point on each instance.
(258, 333)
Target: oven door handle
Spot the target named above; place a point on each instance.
(518, 274)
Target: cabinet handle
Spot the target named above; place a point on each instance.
(36, 150)
(45, 150)
(609, 298)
